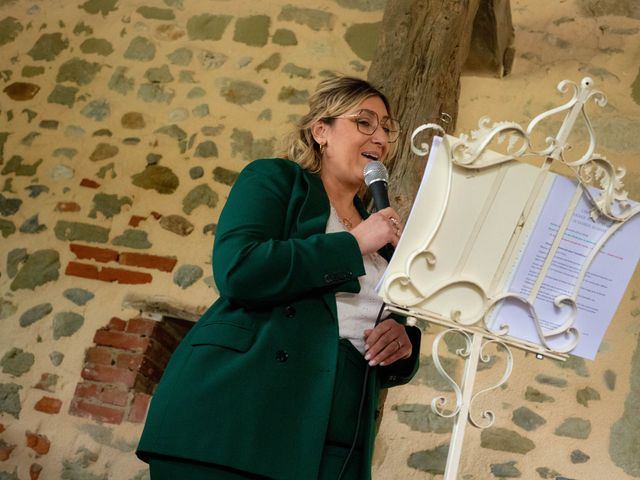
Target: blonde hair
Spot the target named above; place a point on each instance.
(333, 97)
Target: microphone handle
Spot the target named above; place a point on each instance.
(380, 194)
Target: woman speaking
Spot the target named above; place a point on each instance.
(280, 377)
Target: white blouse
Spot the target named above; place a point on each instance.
(358, 311)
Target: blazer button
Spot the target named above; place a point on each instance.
(282, 356)
(290, 311)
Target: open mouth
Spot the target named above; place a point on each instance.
(370, 155)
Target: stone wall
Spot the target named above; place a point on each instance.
(123, 126)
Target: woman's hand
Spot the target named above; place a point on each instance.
(386, 343)
(379, 229)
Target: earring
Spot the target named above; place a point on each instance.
(322, 148)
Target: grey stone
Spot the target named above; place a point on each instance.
(63, 95)
(20, 91)
(196, 172)
(176, 224)
(158, 178)
(29, 138)
(7, 309)
(40, 267)
(109, 167)
(225, 176)
(153, 158)
(49, 124)
(294, 71)
(505, 440)
(266, 115)
(212, 131)
(153, 92)
(574, 428)
(363, 39)
(243, 144)
(108, 205)
(61, 171)
(74, 131)
(17, 362)
(79, 296)
(66, 152)
(422, 419)
(431, 461)
(65, 324)
(284, 37)
(187, 275)
(363, 5)
(99, 46)
(428, 375)
(7, 228)
(178, 115)
(103, 7)
(97, 109)
(196, 92)
(36, 190)
(56, 358)
(271, 63)
(610, 379)
(30, 71)
(176, 132)
(103, 151)
(241, 92)
(141, 49)
(104, 436)
(10, 28)
(578, 456)
(155, 13)
(9, 206)
(32, 225)
(577, 364)
(293, 96)
(211, 227)
(48, 47)
(133, 120)
(505, 470)
(547, 473)
(207, 27)
(181, 56)
(120, 83)
(211, 60)
(527, 419)
(16, 165)
(252, 30)
(72, 231)
(78, 71)
(206, 149)
(586, 394)
(200, 195)
(35, 313)
(314, 19)
(82, 28)
(549, 380)
(159, 74)
(201, 111)
(133, 239)
(10, 399)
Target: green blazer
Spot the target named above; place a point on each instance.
(250, 386)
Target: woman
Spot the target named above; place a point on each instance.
(280, 377)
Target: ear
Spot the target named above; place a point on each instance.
(319, 132)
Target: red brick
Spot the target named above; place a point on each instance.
(101, 413)
(151, 370)
(47, 382)
(86, 182)
(38, 443)
(103, 373)
(141, 326)
(48, 405)
(1, 428)
(112, 394)
(99, 355)
(139, 406)
(34, 471)
(82, 270)
(158, 353)
(167, 338)
(5, 450)
(132, 361)
(117, 324)
(143, 260)
(122, 340)
(135, 220)
(156, 215)
(84, 252)
(67, 207)
(122, 276)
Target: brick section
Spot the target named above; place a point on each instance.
(102, 413)
(143, 260)
(106, 274)
(48, 405)
(67, 207)
(138, 410)
(123, 368)
(86, 182)
(38, 443)
(5, 450)
(34, 471)
(84, 252)
(83, 270)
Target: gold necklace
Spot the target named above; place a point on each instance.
(346, 222)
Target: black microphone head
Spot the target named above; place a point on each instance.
(375, 171)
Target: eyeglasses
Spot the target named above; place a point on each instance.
(367, 122)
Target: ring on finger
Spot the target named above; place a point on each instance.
(399, 344)
(394, 221)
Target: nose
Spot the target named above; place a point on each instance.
(380, 137)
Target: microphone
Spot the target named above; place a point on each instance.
(376, 178)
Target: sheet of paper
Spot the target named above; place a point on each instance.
(603, 286)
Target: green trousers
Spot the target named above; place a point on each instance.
(347, 395)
